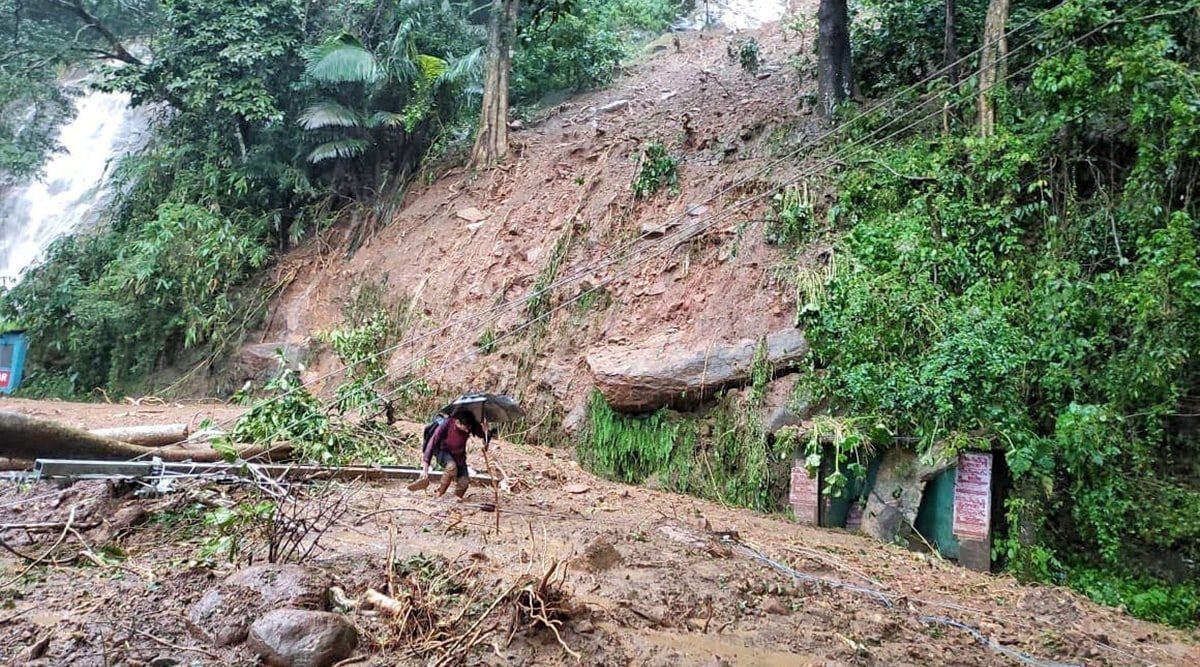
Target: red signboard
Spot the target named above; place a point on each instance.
(804, 495)
(973, 496)
(4, 375)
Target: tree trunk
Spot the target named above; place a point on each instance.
(157, 435)
(28, 438)
(950, 46)
(991, 64)
(834, 76)
(491, 143)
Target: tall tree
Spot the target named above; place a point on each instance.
(991, 63)
(950, 46)
(835, 78)
(491, 143)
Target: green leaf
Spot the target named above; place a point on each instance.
(342, 149)
(329, 114)
(343, 59)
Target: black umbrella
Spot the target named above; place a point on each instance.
(493, 408)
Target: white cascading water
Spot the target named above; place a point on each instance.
(71, 194)
(737, 14)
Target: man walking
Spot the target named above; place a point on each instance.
(448, 445)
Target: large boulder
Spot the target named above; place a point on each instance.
(661, 373)
(226, 611)
(302, 638)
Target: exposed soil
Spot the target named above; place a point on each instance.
(467, 250)
(651, 578)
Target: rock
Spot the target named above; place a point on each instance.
(302, 638)
(697, 210)
(779, 418)
(892, 506)
(576, 488)
(661, 374)
(225, 612)
(471, 214)
(164, 661)
(653, 229)
(260, 362)
(772, 605)
(600, 554)
(615, 105)
(575, 419)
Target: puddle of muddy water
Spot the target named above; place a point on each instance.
(734, 647)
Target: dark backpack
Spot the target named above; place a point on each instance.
(430, 428)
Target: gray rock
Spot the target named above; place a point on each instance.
(779, 418)
(892, 507)
(302, 638)
(615, 105)
(259, 362)
(225, 612)
(660, 374)
(575, 419)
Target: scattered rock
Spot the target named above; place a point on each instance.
(471, 214)
(226, 611)
(576, 488)
(615, 105)
(129, 515)
(600, 554)
(302, 638)
(772, 605)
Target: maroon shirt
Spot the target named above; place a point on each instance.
(447, 438)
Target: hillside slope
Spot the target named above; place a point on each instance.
(468, 251)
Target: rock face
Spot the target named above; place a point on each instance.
(226, 611)
(661, 374)
(260, 362)
(302, 638)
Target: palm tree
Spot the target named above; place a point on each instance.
(379, 109)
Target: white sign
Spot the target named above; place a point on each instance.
(973, 496)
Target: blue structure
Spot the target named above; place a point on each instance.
(12, 360)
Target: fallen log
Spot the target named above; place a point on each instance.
(25, 437)
(154, 435)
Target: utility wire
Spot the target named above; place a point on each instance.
(669, 241)
(699, 227)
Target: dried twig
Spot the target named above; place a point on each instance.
(177, 647)
(61, 536)
(4, 545)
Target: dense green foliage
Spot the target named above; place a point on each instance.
(273, 116)
(1037, 292)
(42, 46)
(718, 452)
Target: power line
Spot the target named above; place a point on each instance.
(680, 233)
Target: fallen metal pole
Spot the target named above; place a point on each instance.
(73, 469)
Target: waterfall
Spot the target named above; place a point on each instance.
(735, 14)
(71, 194)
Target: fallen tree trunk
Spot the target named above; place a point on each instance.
(24, 437)
(154, 435)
